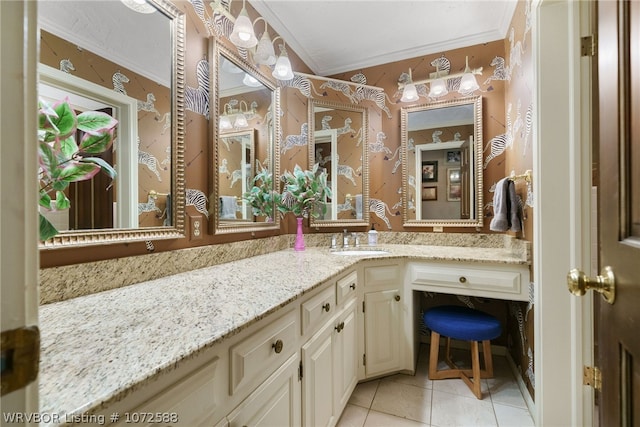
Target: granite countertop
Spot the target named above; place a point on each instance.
(96, 349)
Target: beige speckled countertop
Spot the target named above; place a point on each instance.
(97, 348)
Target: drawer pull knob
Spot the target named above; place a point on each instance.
(353, 286)
(326, 307)
(277, 346)
(463, 279)
(340, 327)
(397, 297)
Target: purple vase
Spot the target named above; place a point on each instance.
(299, 245)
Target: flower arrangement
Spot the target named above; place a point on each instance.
(63, 160)
(304, 192)
(262, 197)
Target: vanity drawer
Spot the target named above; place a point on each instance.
(346, 287)
(382, 275)
(479, 281)
(318, 309)
(256, 357)
(188, 402)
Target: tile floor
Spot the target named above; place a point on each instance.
(412, 401)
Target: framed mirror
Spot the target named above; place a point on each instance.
(244, 130)
(136, 75)
(338, 142)
(442, 163)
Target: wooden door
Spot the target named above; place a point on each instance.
(619, 209)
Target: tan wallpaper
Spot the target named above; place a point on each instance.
(154, 171)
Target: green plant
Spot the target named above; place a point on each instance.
(262, 197)
(62, 160)
(304, 192)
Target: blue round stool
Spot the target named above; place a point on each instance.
(466, 324)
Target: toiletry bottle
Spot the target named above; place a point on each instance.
(373, 236)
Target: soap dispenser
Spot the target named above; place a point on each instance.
(373, 236)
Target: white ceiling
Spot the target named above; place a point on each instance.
(334, 36)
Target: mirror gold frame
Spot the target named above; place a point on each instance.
(216, 51)
(471, 206)
(361, 150)
(177, 229)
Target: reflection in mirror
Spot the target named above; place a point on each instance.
(339, 144)
(127, 62)
(237, 168)
(244, 139)
(442, 163)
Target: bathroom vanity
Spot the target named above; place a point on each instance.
(258, 341)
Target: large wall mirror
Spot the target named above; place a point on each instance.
(245, 130)
(442, 163)
(338, 142)
(125, 59)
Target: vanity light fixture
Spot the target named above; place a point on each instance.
(140, 6)
(468, 83)
(438, 82)
(410, 93)
(243, 34)
(236, 117)
(438, 86)
(250, 81)
(265, 53)
(282, 70)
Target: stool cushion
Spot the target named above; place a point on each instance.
(462, 323)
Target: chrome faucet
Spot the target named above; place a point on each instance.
(334, 241)
(345, 239)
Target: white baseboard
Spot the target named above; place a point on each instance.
(522, 386)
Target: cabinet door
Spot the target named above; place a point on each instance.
(383, 331)
(345, 356)
(275, 403)
(317, 379)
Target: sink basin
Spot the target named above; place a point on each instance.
(361, 252)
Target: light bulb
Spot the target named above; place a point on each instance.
(410, 93)
(282, 69)
(438, 88)
(468, 83)
(243, 34)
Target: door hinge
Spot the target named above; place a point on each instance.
(588, 45)
(300, 371)
(20, 349)
(592, 376)
(363, 306)
(364, 360)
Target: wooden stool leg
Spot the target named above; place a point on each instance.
(474, 384)
(433, 354)
(488, 359)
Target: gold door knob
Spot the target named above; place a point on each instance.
(277, 346)
(605, 283)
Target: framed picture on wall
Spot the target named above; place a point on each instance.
(453, 184)
(429, 193)
(453, 156)
(430, 171)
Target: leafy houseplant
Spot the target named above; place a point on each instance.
(62, 159)
(303, 193)
(262, 197)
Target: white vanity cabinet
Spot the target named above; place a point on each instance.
(383, 307)
(276, 402)
(329, 358)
